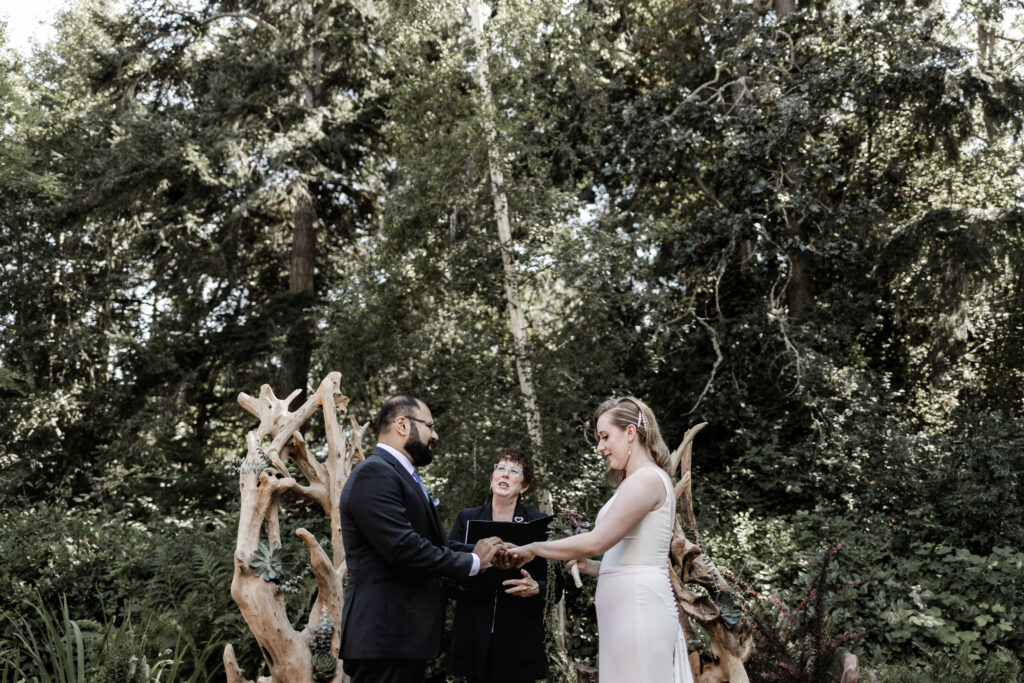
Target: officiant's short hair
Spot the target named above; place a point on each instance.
(521, 459)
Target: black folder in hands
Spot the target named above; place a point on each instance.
(513, 533)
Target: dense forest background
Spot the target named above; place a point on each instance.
(800, 222)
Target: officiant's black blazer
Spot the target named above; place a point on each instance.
(397, 554)
(496, 636)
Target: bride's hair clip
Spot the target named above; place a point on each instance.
(639, 417)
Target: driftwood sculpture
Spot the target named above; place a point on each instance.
(731, 639)
(731, 634)
(311, 654)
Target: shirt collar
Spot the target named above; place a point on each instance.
(404, 461)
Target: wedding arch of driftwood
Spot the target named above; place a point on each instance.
(731, 641)
(731, 635)
(264, 477)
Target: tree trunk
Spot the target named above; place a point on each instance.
(516, 319)
(986, 39)
(798, 291)
(298, 352)
(295, 358)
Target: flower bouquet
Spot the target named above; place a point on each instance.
(565, 524)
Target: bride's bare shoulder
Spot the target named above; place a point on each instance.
(648, 479)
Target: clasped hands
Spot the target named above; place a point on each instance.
(496, 552)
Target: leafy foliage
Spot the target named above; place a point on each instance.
(804, 228)
(1004, 666)
(798, 643)
(53, 647)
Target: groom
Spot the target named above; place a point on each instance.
(397, 552)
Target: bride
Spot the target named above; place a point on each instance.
(640, 639)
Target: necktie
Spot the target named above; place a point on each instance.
(420, 482)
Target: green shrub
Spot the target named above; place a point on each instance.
(941, 599)
(1001, 667)
(919, 600)
(172, 576)
(48, 551)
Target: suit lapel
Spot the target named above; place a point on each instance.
(410, 483)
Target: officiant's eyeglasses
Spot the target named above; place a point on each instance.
(429, 424)
(513, 471)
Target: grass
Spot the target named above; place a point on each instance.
(48, 646)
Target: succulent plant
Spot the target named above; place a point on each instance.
(264, 563)
(255, 463)
(324, 665)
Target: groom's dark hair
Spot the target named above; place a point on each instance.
(400, 404)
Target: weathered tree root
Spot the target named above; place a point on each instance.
(263, 478)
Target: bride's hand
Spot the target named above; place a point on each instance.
(520, 555)
(584, 566)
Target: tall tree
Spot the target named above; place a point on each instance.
(863, 126)
(203, 157)
(516, 319)
(441, 265)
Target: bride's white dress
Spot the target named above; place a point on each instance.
(640, 640)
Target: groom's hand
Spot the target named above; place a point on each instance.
(487, 548)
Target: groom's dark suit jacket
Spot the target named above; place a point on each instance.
(397, 552)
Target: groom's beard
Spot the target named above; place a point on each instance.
(418, 450)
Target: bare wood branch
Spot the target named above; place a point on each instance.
(792, 49)
(331, 591)
(730, 646)
(714, 368)
(699, 179)
(776, 310)
(244, 15)
(718, 72)
(357, 437)
(231, 668)
(682, 458)
(315, 473)
(739, 97)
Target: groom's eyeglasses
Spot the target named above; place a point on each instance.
(429, 424)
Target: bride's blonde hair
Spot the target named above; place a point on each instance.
(625, 411)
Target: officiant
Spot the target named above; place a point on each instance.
(498, 633)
